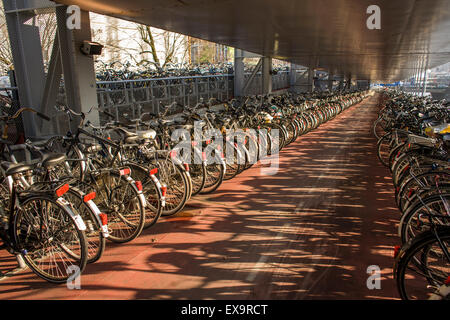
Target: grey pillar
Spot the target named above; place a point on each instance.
(425, 78)
(292, 75)
(311, 73)
(28, 62)
(341, 84)
(266, 75)
(348, 83)
(417, 86)
(78, 69)
(330, 80)
(239, 79)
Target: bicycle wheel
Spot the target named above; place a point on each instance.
(378, 130)
(423, 263)
(152, 194)
(120, 200)
(51, 243)
(94, 236)
(410, 187)
(417, 219)
(215, 173)
(177, 182)
(198, 177)
(232, 156)
(383, 148)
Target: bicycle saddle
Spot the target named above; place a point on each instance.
(91, 147)
(165, 121)
(51, 160)
(146, 134)
(183, 126)
(14, 168)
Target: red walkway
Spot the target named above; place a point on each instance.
(309, 232)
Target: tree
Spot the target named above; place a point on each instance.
(5, 51)
(172, 44)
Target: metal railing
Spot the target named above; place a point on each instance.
(131, 98)
(280, 81)
(134, 97)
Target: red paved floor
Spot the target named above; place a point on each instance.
(309, 232)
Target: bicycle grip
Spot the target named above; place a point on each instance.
(43, 116)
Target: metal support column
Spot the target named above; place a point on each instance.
(419, 77)
(330, 80)
(348, 83)
(78, 69)
(415, 77)
(341, 83)
(239, 78)
(417, 86)
(292, 76)
(27, 56)
(425, 79)
(311, 73)
(266, 75)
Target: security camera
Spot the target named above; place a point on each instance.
(91, 48)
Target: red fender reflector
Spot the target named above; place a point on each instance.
(164, 191)
(396, 251)
(153, 171)
(138, 185)
(186, 166)
(89, 197)
(103, 219)
(61, 190)
(447, 282)
(125, 172)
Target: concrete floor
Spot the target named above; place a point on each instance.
(308, 232)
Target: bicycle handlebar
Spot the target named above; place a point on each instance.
(18, 112)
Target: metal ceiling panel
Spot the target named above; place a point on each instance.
(328, 34)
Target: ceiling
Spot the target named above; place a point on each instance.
(326, 34)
